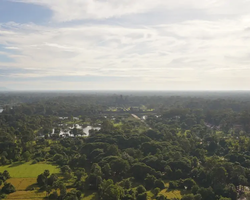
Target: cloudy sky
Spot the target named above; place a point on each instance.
(125, 44)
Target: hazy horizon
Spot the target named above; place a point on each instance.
(111, 90)
(159, 45)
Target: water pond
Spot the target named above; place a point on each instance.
(85, 130)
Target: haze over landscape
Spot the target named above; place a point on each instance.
(125, 45)
(124, 100)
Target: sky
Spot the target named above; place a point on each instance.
(125, 44)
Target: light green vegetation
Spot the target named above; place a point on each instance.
(28, 170)
(118, 124)
(170, 194)
(89, 195)
(180, 133)
(220, 133)
(27, 195)
(22, 184)
(36, 131)
(113, 109)
(145, 109)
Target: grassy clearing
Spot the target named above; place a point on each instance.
(27, 195)
(28, 170)
(24, 178)
(22, 184)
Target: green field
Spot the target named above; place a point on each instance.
(28, 170)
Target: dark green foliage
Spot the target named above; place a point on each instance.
(192, 197)
(8, 188)
(119, 166)
(79, 174)
(109, 191)
(41, 180)
(140, 189)
(188, 197)
(195, 189)
(150, 182)
(140, 171)
(63, 190)
(198, 143)
(156, 191)
(65, 169)
(207, 193)
(53, 196)
(94, 181)
(128, 197)
(142, 196)
(6, 174)
(126, 184)
(225, 198)
(44, 180)
(173, 185)
(106, 170)
(159, 184)
(161, 197)
(52, 179)
(46, 173)
(73, 195)
(81, 185)
(189, 183)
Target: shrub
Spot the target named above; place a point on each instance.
(173, 185)
(160, 184)
(142, 196)
(140, 189)
(8, 188)
(156, 191)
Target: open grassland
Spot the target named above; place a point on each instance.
(26, 195)
(22, 184)
(28, 170)
(24, 179)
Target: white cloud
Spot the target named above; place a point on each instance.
(192, 49)
(188, 54)
(68, 10)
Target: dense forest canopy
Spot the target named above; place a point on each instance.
(128, 145)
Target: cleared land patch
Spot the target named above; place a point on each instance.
(28, 170)
(22, 184)
(27, 195)
(23, 177)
